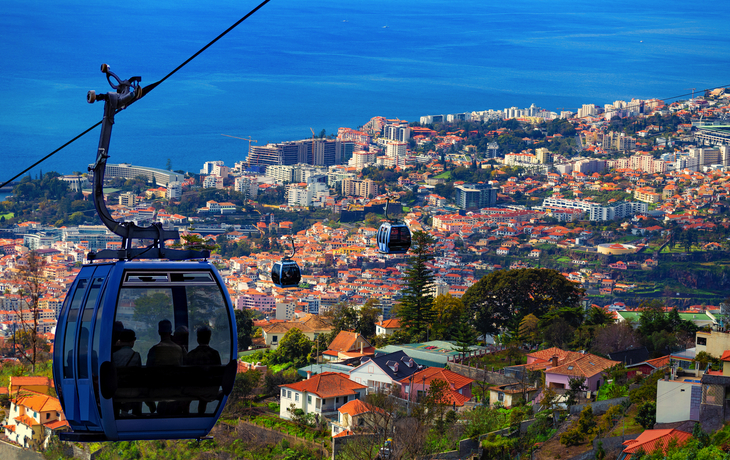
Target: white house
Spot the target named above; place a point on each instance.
(384, 371)
(320, 394)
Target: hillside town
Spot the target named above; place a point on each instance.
(619, 212)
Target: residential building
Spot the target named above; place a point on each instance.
(128, 199)
(475, 196)
(383, 371)
(357, 415)
(418, 384)
(387, 327)
(348, 345)
(510, 394)
(678, 400)
(34, 415)
(322, 394)
(365, 188)
(713, 342)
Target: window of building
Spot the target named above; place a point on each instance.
(702, 341)
(274, 339)
(296, 396)
(500, 396)
(309, 399)
(288, 394)
(283, 393)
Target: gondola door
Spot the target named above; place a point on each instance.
(87, 356)
(72, 360)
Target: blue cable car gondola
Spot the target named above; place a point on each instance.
(393, 237)
(286, 273)
(143, 350)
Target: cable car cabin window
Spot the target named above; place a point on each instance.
(70, 333)
(172, 342)
(87, 315)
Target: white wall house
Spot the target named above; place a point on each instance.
(320, 394)
(381, 372)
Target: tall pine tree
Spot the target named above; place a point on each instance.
(416, 312)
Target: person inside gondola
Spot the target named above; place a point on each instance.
(204, 355)
(288, 275)
(180, 337)
(126, 357)
(165, 353)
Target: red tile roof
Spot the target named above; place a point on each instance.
(430, 374)
(650, 440)
(327, 385)
(357, 407)
(586, 366)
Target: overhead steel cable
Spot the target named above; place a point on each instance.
(145, 91)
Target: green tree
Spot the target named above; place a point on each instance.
(447, 311)
(465, 335)
(294, 347)
(243, 387)
(244, 328)
(502, 298)
(416, 312)
(646, 416)
(528, 329)
(576, 386)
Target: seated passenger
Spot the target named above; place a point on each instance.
(204, 355)
(125, 356)
(166, 352)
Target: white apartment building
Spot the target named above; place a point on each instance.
(362, 159)
(595, 211)
(174, 191)
(280, 173)
(248, 185)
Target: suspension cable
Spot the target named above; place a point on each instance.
(145, 90)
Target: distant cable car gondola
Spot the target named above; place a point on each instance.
(286, 273)
(143, 350)
(393, 237)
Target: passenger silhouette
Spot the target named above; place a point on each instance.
(166, 352)
(180, 337)
(204, 355)
(125, 356)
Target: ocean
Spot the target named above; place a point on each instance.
(296, 66)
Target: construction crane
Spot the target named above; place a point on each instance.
(249, 139)
(693, 91)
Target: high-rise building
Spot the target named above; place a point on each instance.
(353, 187)
(475, 196)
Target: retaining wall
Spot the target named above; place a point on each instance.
(599, 407)
(11, 452)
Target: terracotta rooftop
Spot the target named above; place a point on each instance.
(586, 366)
(357, 407)
(651, 440)
(327, 385)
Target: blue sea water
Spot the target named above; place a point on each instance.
(324, 64)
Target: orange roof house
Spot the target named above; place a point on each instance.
(357, 415)
(348, 345)
(459, 387)
(322, 393)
